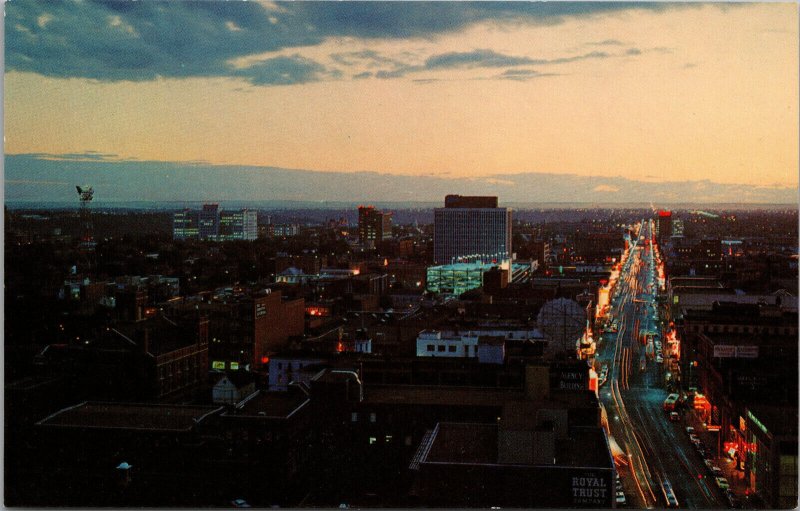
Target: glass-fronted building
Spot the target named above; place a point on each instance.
(458, 278)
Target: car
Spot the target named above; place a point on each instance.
(674, 416)
(694, 438)
(716, 471)
(722, 483)
(689, 431)
(239, 503)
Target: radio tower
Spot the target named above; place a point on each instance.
(85, 194)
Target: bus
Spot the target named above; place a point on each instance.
(669, 403)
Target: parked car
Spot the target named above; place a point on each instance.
(722, 483)
(674, 417)
(689, 431)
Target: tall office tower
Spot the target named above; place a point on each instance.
(471, 229)
(185, 225)
(677, 228)
(664, 226)
(374, 225)
(238, 225)
(209, 222)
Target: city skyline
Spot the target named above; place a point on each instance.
(604, 96)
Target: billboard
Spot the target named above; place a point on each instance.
(746, 351)
(731, 351)
(724, 351)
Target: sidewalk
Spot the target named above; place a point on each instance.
(735, 477)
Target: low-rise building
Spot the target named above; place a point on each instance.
(233, 388)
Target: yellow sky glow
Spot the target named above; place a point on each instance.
(713, 95)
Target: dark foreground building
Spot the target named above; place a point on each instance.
(525, 464)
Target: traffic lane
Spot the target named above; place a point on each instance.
(667, 444)
(677, 458)
(634, 493)
(669, 457)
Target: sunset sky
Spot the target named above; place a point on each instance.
(647, 92)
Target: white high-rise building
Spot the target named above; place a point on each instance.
(471, 229)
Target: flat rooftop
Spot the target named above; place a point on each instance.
(469, 443)
(463, 443)
(130, 416)
(439, 395)
(273, 405)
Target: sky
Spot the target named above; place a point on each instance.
(649, 92)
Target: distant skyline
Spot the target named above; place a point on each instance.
(41, 178)
(522, 99)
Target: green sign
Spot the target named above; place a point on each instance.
(757, 422)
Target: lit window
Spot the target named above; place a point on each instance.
(372, 440)
(372, 417)
(388, 438)
(354, 417)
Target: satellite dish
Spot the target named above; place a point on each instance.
(562, 321)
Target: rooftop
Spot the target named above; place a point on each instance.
(269, 405)
(492, 340)
(463, 443)
(471, 443)
(130, 416)
(439, 395)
